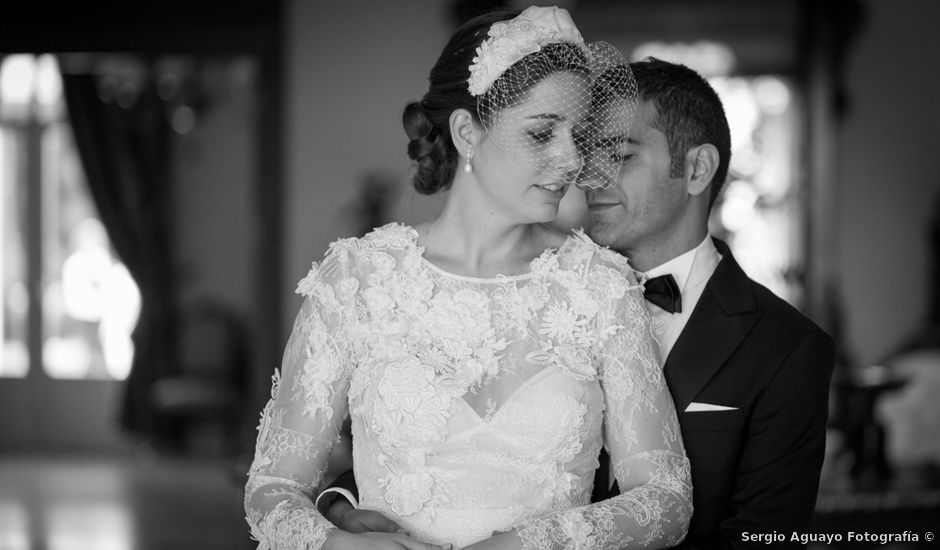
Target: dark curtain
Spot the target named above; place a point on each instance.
(123, 138)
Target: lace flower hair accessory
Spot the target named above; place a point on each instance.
(591, 85)
(510, 41)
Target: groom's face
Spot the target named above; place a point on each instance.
(644, 206)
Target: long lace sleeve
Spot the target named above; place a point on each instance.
(300, 424)
(642, 435)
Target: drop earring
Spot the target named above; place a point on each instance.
(468, 168)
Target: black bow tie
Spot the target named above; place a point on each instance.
(664, 292)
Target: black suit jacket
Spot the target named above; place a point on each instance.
(755, 469)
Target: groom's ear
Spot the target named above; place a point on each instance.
(701, 163)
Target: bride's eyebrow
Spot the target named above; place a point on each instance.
(546, 116)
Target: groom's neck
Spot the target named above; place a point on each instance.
(656, 252)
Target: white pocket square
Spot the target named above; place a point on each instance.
(707, 407)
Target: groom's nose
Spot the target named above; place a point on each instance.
(596, 174)
(591, 177)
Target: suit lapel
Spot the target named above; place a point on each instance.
(723, 317)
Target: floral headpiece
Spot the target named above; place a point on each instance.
(510, 41)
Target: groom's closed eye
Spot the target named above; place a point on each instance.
(620, 158)
(611, 149)
(611, 142)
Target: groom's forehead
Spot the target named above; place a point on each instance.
(616, 113)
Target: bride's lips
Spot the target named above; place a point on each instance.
(554, 188)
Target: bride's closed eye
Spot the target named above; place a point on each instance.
(541, 136)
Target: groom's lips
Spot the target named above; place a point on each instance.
(600, 205)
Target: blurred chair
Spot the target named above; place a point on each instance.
(882, 475)
(911, 416)
(860, 390)
(202, 400)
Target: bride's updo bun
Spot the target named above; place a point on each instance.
(427, 123)
(429, 151)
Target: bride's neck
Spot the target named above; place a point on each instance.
(477, 242)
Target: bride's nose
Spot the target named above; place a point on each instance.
(567, 159)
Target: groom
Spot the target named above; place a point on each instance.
(749, 374)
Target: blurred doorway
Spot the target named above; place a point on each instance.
(70, 300)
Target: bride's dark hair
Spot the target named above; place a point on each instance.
(427, 122)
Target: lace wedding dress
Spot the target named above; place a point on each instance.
(477, 405)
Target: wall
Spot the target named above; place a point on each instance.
(351, 67)
(215, 224)
(888, 180)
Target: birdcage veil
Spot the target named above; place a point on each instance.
(540, 56)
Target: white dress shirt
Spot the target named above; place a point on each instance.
(691, 271)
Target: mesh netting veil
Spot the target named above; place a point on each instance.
(563, 108)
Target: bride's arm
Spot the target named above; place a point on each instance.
(643, 437)
(644, 440)
(301, 422)
(300, 425)
(295, 437)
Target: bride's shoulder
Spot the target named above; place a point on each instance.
(351, 257)
(391, 236)
(580, 249)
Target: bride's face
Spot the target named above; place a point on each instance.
(530, 155)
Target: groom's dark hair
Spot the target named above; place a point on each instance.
(689, 113)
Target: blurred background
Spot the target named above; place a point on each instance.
(169, 169)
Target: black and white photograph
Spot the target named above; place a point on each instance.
(469, 275)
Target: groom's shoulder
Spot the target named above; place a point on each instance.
(791, 340)
(782, 316)
(776, 312)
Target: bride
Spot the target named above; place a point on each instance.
(482, 357)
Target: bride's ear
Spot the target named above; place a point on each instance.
(464, 131)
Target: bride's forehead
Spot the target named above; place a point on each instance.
(560, 93)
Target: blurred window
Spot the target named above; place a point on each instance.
(53, 241)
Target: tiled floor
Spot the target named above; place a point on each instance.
(120, 504)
